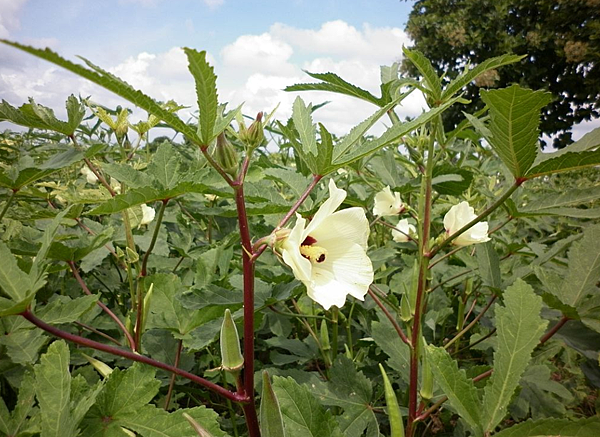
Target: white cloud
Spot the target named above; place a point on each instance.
(339, 39)
(213, 4)
(259, 54)
(9, 18)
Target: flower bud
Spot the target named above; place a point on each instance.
(254, 135)
(102, 368)
(200, 430)
(226, 156)
(232, 359)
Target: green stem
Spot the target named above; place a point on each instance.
(334, 335)
(161, 213)
(424, 257)
(8, 203)
(470, 325)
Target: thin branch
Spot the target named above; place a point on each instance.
(390, 317)
(85, 342)
(473, 322)
(106, 309)
(554, 329)
(172, 381)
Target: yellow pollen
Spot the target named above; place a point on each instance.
(313, 253)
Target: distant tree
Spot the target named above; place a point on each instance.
(561, 39)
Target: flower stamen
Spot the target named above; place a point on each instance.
(313, 253)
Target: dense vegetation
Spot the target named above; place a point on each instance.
(196, 285)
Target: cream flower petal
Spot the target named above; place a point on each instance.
(336, 197)
(406, 228)
(351, 266)
(349, 224)
(460, 215)
(291, 251)
(148, 214)
(320, 290)
(329, 255)
(387, 203)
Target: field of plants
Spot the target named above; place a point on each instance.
(252, 276)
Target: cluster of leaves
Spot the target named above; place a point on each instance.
(75, 254)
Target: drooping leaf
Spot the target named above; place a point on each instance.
(62, 409)
(17, 422)
(584, 268)
(63, 309)
(150, 421)
(128, 175)
(206, 93)
(14, 282)
(519, 328)
(126, 391)
(303, 415)
(589, 142)
(107, 80)
(430, 77)
(164, 167)
(459, 388)
(469, 75)
(567, 162)
(387, 339)
(335, 84)
(515, 117)
(459, 182)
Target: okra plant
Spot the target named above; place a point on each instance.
(265, 277)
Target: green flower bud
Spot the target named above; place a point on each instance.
(200, 430)
(226, 156)
(254, 135)
(325, 336)
(232, 359)
(405, 313)
(102, 368)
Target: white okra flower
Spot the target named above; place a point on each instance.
(458, 216)
(329, 255)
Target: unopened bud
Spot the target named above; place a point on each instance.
(102, 368)
(226, 156)
(232, 359)
(254, 135)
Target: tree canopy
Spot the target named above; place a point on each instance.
(560, 38)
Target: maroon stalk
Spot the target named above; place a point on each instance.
(85, 342)
(106, 309)
(248, 267)
(172, 381)
(390, 317)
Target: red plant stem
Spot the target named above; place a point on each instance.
(85, 342)
(248, 267)
(172, 381)
(390, 317)
(554, 329)
(106, 309)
